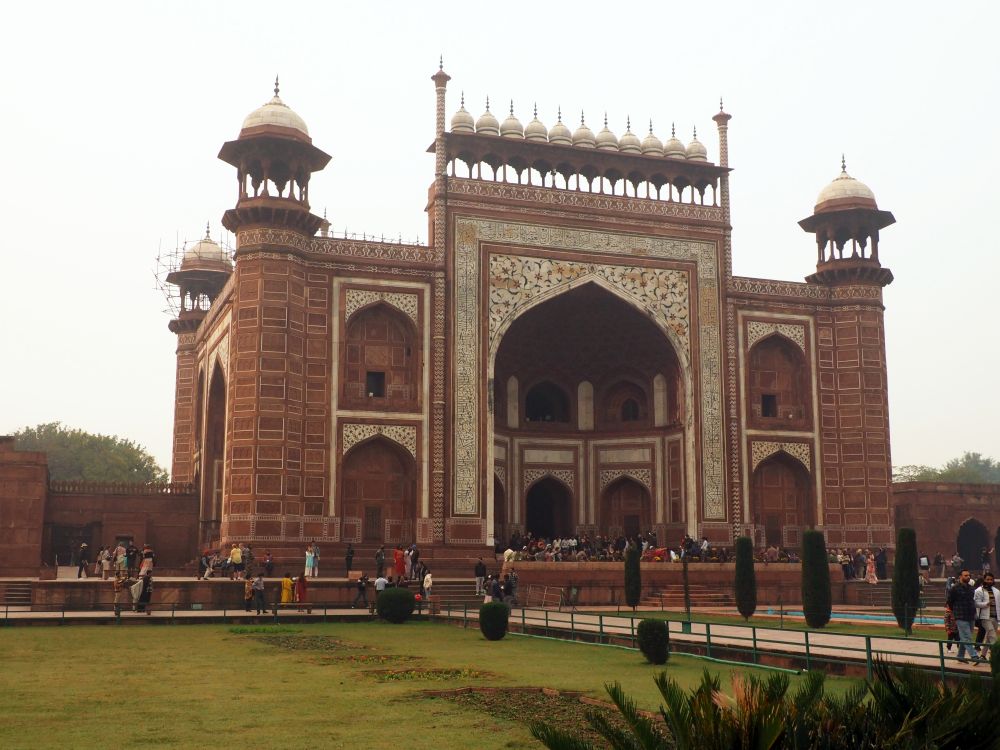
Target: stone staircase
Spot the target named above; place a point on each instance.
(15, 593)
(456, 593)
(672, 597)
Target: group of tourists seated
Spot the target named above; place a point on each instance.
(610, 549)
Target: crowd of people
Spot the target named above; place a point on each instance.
(972, 604)
(124, 558)
(865, 565)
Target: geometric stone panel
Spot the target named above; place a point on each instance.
(404, 435)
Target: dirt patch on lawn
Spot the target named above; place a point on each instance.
(563, 710)
(400, 675)
(305, 642)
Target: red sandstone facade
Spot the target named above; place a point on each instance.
(569, 354)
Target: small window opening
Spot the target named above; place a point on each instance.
(768, 405)
(375, 384)
(630, 410)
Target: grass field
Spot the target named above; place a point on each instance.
(337, 685)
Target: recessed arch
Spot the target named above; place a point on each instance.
(214, 452)
(548, 508)
(778, 387)
(380, 359)
(782, 502)
(626, 508)
(547, 401)
(378, 490)
(973, 537)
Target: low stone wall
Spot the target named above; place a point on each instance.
(602, 584)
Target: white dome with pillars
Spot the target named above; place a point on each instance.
(275, 113)
(846, 188)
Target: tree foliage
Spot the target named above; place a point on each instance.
(76, 455)
(746, 579)
(817, 602)
(970, 468)
(633, 575)
(905, 579)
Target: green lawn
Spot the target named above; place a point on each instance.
(204, 686)
(928, 632)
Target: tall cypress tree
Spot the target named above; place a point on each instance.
(633, 575)
(746, 580)
(817, 601)
(905, 579)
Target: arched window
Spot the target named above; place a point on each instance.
(630, 410)
(546, 402)
(778, 388)
(381, 361)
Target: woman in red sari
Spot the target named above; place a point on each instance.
(301, 589)
(400, 560)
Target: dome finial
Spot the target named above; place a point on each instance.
(207, 235)
(650, 124)
(843, 164)
(605, 118)
(720, 104)
(536, 110)
(441, 62)
(581, 118)
(463, 100)
(695, 129)
(275, 84)
(628, 123)
(487, 103)
(673, 130)
(559, 114)
(511, 107)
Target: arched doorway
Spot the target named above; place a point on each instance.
(499, 510)
(549, 509)
(625, 508)
(972, 538)
(781, 498)
(379, 491)
(215, 444)
(778, 394)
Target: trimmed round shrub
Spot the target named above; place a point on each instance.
(395, 605)
(493, 620)
(654, 640)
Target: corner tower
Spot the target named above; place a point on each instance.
(277, 405)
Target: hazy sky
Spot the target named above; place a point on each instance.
(112, 115)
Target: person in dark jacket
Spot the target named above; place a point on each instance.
(962, 604)
(480, 573)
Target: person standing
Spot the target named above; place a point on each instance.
(984, 559)
(301, 590)
(380, 583)
(83, 561)
(287, 588)
(349, 558)
(987, 599)
(939, 564)
(236, 563)
(309, 560)
(380, 561)
(407, 565)
(146, 592)
(131, 559)
(204, 566)
(117, 585)
(870, 575)
(480, 573)
(148, 560)
(428, 585)
(314, 572)
(258, 594)
(247, 594)
(961, 601)
(268, 563)
(120, 558)
(415, 559)
(399, 562)
(362, 592)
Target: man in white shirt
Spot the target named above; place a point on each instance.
(380, 583)
(987, 600)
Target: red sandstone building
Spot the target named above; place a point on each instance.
(570, 353)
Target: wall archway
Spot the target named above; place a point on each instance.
(972, 538)
(548, 509)
(781, 497)
(778, 389)
(378, 488)
(499, 509)
(626, 508)
(214, 453)
(381, 360)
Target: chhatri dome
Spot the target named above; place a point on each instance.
(204, 251)
(606, 140)
(462, 121)
(559, 133)
(536, 130)
(696, 149)
(275, 113)
(673, 147)
(583, 136)
(487, 123)
(511, 127)
(629, 142)
(846, 191)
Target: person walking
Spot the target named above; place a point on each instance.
(258, 594)
(961, 601)
(480, 573)
(415, 559)
(407, 564)
(349, 558)
(987, 599)
(362, 592)
(145, 593)
(117, 585)
(83, 562)
(984, 559)
(120, 558)
(939, 564)
(380, 561)
(399, 563)
(301, 590)
(870, 575)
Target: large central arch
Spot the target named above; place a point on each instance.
(635, 409)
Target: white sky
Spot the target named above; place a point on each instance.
(112, 115)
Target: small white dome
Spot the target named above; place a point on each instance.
(462, 121)
(673, 148)
(651, 144)
(275, 112)
(536, 130)
(606, 140)
(487, 123)
(205, 249)
(629, 142)
(584, 136)
(846, 186)
(512, 127)
(559, 133)
(696, 149)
